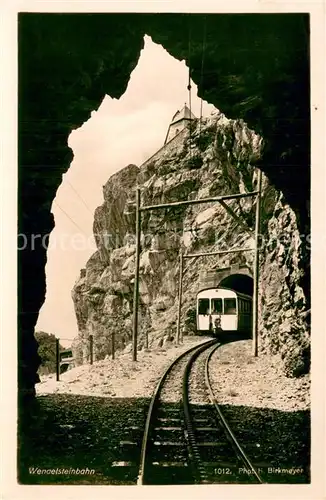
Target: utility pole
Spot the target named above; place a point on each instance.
(139, 209)
(146, 338)
(112, 344)
(180, 294)
(256, 271)
(57, 357)
(136, 282)
(91, 348)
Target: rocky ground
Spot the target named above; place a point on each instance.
(94, 417)
(118, 378)
(238, 377)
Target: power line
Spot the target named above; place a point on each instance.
(202, 73)
(189, 72)
(189, 81)
(67, 215)
(79, 196)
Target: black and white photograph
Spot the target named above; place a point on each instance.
(164, 292)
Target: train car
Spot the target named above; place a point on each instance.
(222, 309)
(66, 360)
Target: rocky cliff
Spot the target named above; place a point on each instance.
(216, 157)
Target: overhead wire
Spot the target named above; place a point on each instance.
(189, 81)
(81, 199)
(202, 72)
(79, 196)
(67, 215)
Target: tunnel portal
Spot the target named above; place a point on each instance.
(241, 283)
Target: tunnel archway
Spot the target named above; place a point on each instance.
(241, 283)
(240, 81)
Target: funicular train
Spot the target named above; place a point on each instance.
(221, 310)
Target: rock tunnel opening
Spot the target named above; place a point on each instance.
(241, 283)
(103, 49)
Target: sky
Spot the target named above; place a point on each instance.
(120, 132)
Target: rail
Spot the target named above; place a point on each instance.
(223, 421)
(142, 469)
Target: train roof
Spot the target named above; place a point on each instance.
(238, 294)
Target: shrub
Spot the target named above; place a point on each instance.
(204, 139)
(47, 352)
(194, 162)
(190, 321)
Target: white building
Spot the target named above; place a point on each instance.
(179, 121)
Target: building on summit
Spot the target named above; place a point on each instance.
(175, 134)
(179, 121)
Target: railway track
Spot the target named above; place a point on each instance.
(189, 443)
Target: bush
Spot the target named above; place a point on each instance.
(191, 321)
(205, 139)
(47, 352)
(165, 168)
(194, 162)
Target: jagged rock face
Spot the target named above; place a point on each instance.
(216, 159)
(67, 63)
(283, 307)
(111, 224)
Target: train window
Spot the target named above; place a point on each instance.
(203, 306)
(65, 354)
(230, 306)
(217, 306)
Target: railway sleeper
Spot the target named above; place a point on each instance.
(175, 417)
(169, 454)
(169, 435)
(126, 472)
